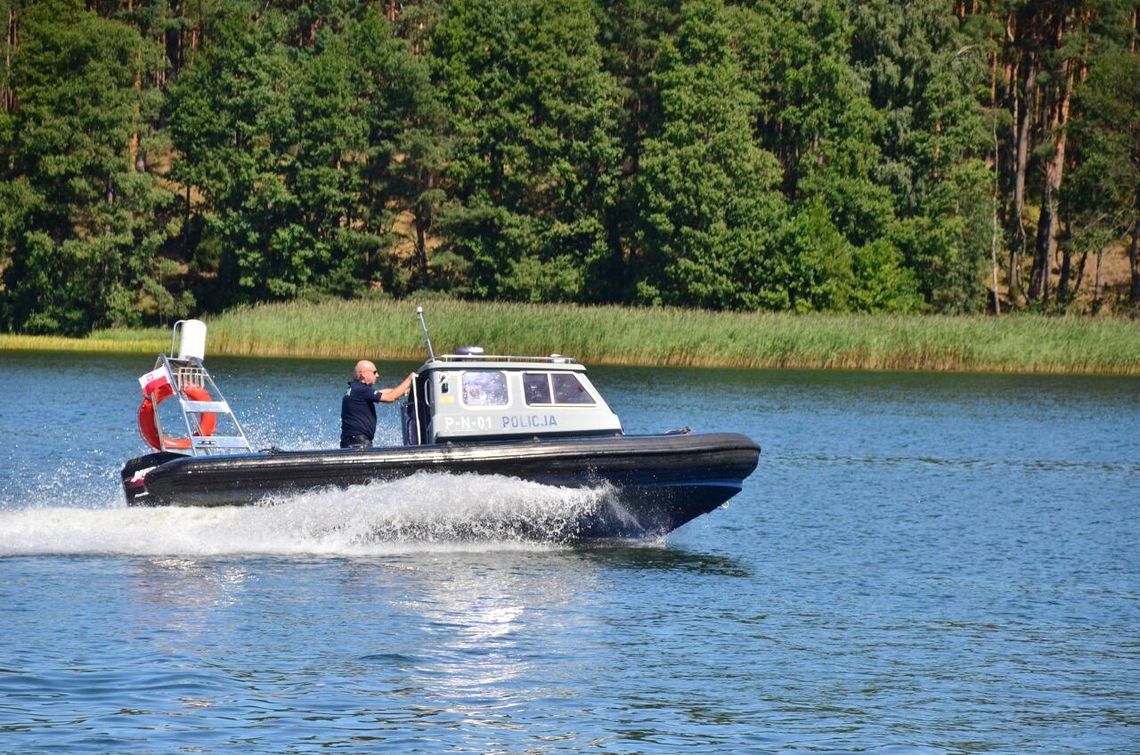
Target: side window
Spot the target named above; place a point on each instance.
(484, 388)
(536, 388)
(568, 389)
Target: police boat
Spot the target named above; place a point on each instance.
(535, 418)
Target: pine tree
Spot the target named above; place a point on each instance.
(709, 212)
(533, 155)
(223, 112)
(402, 156)
(925, 77)
(632, 33)
(1102, 196)
(82, 219)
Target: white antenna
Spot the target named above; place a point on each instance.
(427, 336)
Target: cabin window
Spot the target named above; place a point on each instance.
(484, 388)
(536, 387)
(555, 388)
(568, 389)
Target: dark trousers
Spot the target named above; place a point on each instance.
(355, 441)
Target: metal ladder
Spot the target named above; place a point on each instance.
(184, 374)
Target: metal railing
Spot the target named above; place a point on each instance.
(183, 375)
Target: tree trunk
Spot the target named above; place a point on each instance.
(1134, 265)
(1023, 100)
(424, 214)
(1098, 281)
(133, 157)
(1079, 278)
(423, 222)
(9, 94)
(1066, 272)
(994, 229)
(1066, 278)
(187, 213)
(174, 41)
(616, 273)
(1054, 173)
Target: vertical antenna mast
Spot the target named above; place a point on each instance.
(427, 336)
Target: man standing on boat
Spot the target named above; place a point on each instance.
(358, 407)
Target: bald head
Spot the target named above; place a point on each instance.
(365, 372)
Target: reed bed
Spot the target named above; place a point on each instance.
(384, 329)
(119, 341)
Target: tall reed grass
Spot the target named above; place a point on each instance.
(119, 340)
(615, 335)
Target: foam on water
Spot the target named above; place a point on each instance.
(424, 511)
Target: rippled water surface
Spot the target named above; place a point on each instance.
(921, 563)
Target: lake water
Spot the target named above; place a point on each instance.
(921, 563)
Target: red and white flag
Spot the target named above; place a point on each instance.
(153, 380)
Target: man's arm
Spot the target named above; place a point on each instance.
(388, 395)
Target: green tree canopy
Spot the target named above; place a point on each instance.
(78, 216)
(533, 153)
(162, 158)
(709, 209)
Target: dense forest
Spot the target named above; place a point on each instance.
(161, 158)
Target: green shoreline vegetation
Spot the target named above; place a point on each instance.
(388, 329)
(160, 159)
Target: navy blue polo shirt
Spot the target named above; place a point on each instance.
(358, 410)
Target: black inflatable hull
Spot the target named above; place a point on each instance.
(659, 481)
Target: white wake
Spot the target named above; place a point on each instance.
(421, 511)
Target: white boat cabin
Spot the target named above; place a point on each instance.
(468, 396)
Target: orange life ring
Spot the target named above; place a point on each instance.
(149, 428)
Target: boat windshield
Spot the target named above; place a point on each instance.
(484, 388)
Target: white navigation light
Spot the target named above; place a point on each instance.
(193, 341)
